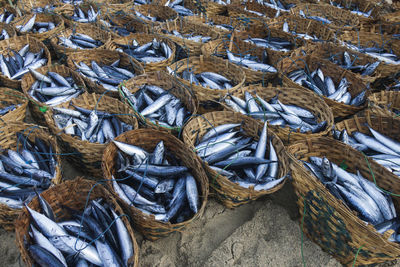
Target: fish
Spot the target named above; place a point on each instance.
(88, 16)
(273, 43)
(7, 16)
(210, 80)
(255, 64)
(189, 36)
(4, 35)
(79, 41)
(34, 26)
(348, 62)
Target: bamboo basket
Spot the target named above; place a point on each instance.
(9, 29)
(375, 40)
(218, 20)
(341, 19)
(330, 51)
(238, 11)
(384, 102)
(9, 140)
(56, 6)
(16, 43)
(84, 28)
(11, 10)
(208, 98)
(74, 194)
(229, 193)
(42, 17)
(393, 17)
(381, 27)
(8, 97)
(183, 26)
(305, 26)
(163, 13)
(212, 8)
(85, 7)
(122, 19)
(327, 221)
(36, 108)
(105, 57)
(363, 6)
(192, 5)
(83, 154)
(356, 85)
(143, 38)
(166, 82)
(239, 47)
(292, 96)
(148, 139)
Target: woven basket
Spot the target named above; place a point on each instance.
(239, 25)
(9, 140)
(393, 17)
(237, 46)
(363, 6)
(375, 40)
(237, 11)
(37, 109)
(74, 194)
(192, 5)
(143, 38)
(356, 85)
(380, 27)
(8, 97)
(10, 30)
(85, 7)
(59, 7)
(148, 139)
(164, 13)
(384, 102)
(184, 26)
(212, 8)
(329, 51)
(292, 96)
(42, 17)
(16, 43)
(208, 98)
(83, 154)
(106, 57)
(305, 26)
(229, 193)
(327, 221)
(340, 18)
(84, 28)
(122, 19)
(165, 81)
(11, 10)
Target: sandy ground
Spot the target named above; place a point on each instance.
(262, 233)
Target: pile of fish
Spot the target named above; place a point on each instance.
(6, 16)
(241, 159)
(361, 195)
(151, 52)
(72, 2)
(156, 183)
(260, 14)
(379, 147)
(158, 105)
(177, 5)
(122, 31)
(305, 36)
(53, 89)
(80, 16)
(251, 62)
(221, 26)
(379, 53)
(276, 113)
(108, 76)
(206, 79)
(317, 18)
(278, 5)
(91, 125)
(35, 27)
(148, 17)
(5, 110)
(4, 35)
(324, 86)
(273, 43)
(16, 66)
(95, 237)
(25, 171)
(353, 8)
(189, 36)
(347, 63)
(79, 41)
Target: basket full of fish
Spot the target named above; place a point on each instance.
(122, 23)
(348, 203)
(153, 51)
(243, 159)
(47, 87)
(85, 125)
(210, 78)
(157, 179)
(254, 12)
(154, 14)
(256, 62)
(385, 102)
(41, 26)
(29, 163)
(7, 14)
(334, 17)
(160, 101)
(18, 55)
(13, 105)
(190, 36)
(77, 37)
(76, 223)
(292, 114)
(46, 6)
(6, 31)
(222, 24)
(87, 12)
(104, 70)
(341, 89)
